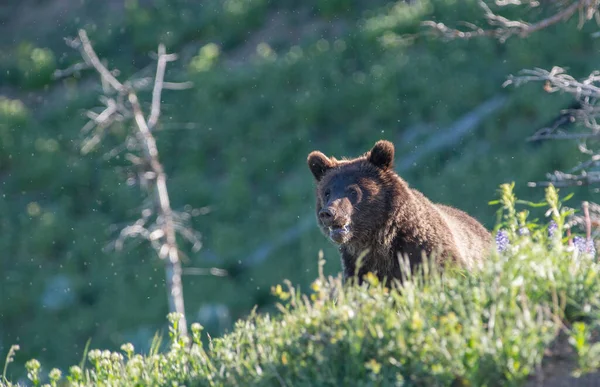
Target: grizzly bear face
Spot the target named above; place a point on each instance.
(351, 194)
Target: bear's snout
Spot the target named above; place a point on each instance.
(338, 228)
(333, 218)
(327, 215)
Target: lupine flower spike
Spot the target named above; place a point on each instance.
(502, 241)
(552, 227)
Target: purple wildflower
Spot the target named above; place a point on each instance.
(523, 231)
(584, 246)
(552, 227)
(591, 248)
(579, 243)
(502, 241)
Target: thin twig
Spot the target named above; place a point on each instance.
(561, 179)
(587, 95)
(563, 136)
(588, 222)
(592, 162)
(92, 59)
(505, 28)
(557, 79)
(563, 15)
(178, 85)
(74, 69)
(161, 66)
(203, 271)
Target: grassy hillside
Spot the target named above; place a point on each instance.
(273, 81)
(488, 328)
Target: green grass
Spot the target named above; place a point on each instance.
(488, 327)
(254, 122)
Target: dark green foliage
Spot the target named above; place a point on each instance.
(29, 66)
(255, 112)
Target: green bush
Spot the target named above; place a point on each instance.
(173, 23)
(29, 66)
(488, 327)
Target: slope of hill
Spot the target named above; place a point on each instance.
(273, 81)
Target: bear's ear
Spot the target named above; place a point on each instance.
(319, 164)
(382, 155)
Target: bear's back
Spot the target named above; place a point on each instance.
(471, 238)
(471, 241)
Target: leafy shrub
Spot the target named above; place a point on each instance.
(206, 58)
(29, 66)
(172, 23)
(13, 117)
(488, 327)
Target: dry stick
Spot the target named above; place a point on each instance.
(177, 85)
(161, 66)
(172, 264)
(569, 237)
(563, 136)
(557, 79)
(99, 123)
(74, 69)
(593, 161)
(560, 16)
(507, 28)
(577, 181)
(588, 222)
(94, 61)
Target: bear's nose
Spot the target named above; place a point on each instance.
(326, 214)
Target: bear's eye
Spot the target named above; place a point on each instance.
(355, 193)
(327, 194)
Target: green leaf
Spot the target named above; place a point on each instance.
(532, 204)
(569, 196)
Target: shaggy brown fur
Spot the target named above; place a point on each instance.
(364, 207)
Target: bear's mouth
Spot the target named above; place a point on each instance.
(339, 234)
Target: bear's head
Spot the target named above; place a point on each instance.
(353, 196)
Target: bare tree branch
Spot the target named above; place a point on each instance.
(561, 179)
(74, 69)
(91, 58)
(201, 271)
(587, 94)
(98, 122)
(557, 79)
(177, 85)
(563, 136)
(159, 224)
(506, 28)
(593, 162)
(161, 66)
(587, 221)
(173, 264)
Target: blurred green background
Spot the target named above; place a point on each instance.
(273, 80)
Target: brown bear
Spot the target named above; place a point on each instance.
(365, 208)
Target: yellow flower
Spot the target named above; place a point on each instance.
(417, 322)
(372, 279)
(373, 366)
